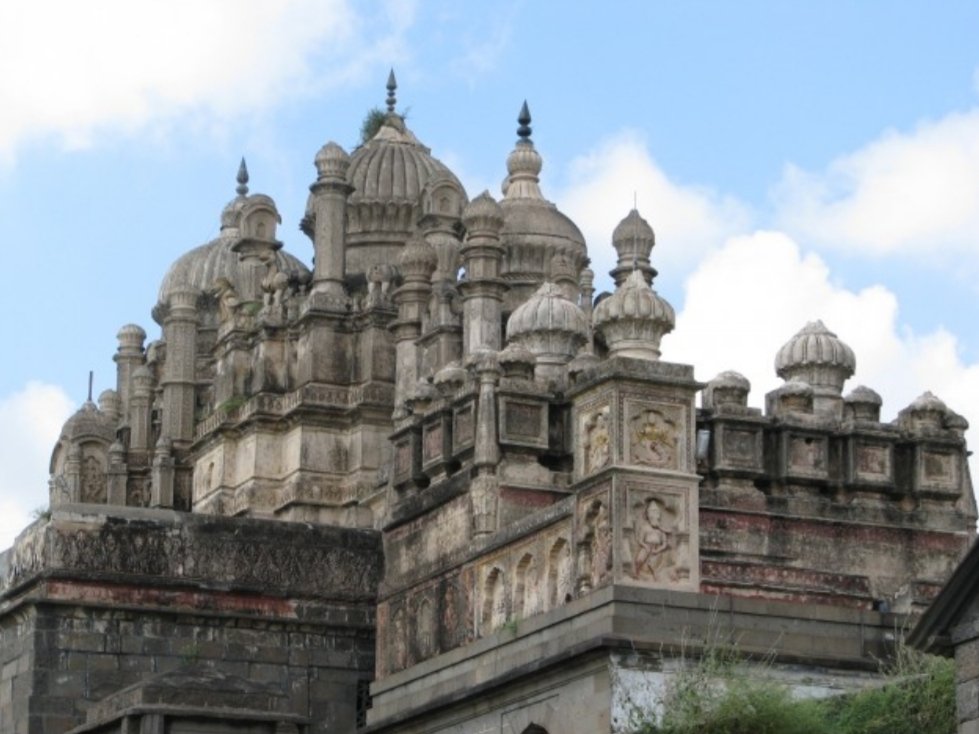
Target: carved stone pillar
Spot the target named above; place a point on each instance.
(482, 290)
(179, 370)
(128, 357)
(329, 205)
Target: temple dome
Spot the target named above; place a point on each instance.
(633, 240)
(816, 356)
(534, 229)
(548, 324)
(89, 422)
(634, 319)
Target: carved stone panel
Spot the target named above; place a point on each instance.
(938, 470)
(655, 435)
(595, 432)
(873, 462)
(659, 546)
(740, 448)
(523, 423)
(807, 455)
(594, 561)
(432, 443)
(462, 428)
(402, 459)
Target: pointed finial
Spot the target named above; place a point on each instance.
(242, 188)
(524, 120)
(91, 374)
(392, 86)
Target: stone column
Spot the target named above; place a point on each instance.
(482, 290)
(418, 261)
(116, 493)
(161, 492)
(329, 206)
(179, 370)
(128, 357)
(140, 409)
(484, 492)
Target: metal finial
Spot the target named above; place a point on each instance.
(242, 187)
(91, 374)
(524, 119)
(392, 86)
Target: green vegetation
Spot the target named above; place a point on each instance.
(720, 695)
(232, 403)
(372, 123)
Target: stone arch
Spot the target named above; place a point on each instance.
(559, 573)
(494, 610)
(523, 588)
(425, 622)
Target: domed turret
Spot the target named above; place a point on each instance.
(245, 217)
(819, 358)
(728, 388)
(863, 404)
(388, 174)
(550, 327)
(634, 319)
(534, 230)
(633, 239)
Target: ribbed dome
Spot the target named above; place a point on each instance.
(200, 267)
(547, 310)
(633, 240)
(814, 346)
(89, 422)
(634, 319)
(392, 167)
(418, 259)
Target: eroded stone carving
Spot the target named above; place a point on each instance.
(653, 437)
(597, 440)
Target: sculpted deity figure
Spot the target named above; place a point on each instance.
(655, 544)
(597, 441)
(653, 439)
(227, 299)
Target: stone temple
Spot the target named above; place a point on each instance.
(431, 483)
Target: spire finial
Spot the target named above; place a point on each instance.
(392, 86)
(242, 188)
(524, 120)
(91, 374)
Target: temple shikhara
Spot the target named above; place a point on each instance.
(414, 476)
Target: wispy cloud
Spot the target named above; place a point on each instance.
(72, 70)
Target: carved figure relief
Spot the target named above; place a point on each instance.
(653, 438)
(450, 617)
(425, 629)
(595, 547)
(527, 592)
(93, 483)
(654, 556)
(597, 440)
(228, 302)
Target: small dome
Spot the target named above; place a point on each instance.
(547, 310)
(728, 388)
(483, 214)
(89, 422)
(634, 319)
(418, 259)
(863, 395)
(131, 334)
(928, 402)
(818, 357)
(331, 161)
(633, 239)
(730, 380)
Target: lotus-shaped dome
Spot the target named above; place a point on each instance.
(633, 239)
(816, 356)
(634, 319)
(418, 260)
(548, 325)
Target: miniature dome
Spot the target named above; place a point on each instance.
(863, 395)
(926, 412)
(201, 267)
(634, 240)
(863, 404)
(418, 260)
(89, 422)
(548, 324)
(534, 230)
(483, 214)
(817, 356)
(634, 319)
(792, 396)
(331, 161)
(131, 334)
(728, 388)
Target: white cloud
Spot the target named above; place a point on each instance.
(30, 422)
(688, 220)
(73, 69)
(906, 192)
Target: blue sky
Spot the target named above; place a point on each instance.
(798, 160)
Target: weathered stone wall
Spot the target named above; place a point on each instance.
(96, 601)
